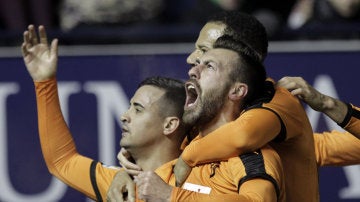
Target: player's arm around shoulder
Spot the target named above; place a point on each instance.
(290, 112)
(260, 175)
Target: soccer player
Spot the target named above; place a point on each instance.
(151, 135)
(292, 135)
(143, 123)
(282, 121)
(240, 85)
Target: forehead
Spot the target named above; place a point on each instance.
(209, 33)
(221, 55)
(147, 95)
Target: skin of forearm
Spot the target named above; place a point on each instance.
(334, 108)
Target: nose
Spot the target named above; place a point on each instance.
(194, 72)
(191, 59)
(125, 118)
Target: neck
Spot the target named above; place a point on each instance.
(228, 113)
(152, 157)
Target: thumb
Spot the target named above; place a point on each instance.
(54, 48)
(131, 192)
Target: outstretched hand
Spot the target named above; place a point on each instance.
(181, 171)
(332, 107)
(39, 58)
(300, 88)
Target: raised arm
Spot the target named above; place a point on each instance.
(39, 58)
(58, 147)
(333, 148)
(332, 107)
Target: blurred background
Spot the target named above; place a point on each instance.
(163, 21)
(108, 46)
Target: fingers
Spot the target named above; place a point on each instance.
(26, 44)
(31, 39)
(131, 192)
(287, 83)
(24, 50)
(295, 85)
(141, 178)
(26, 37)
(124, 161)
(42, 35)
(54, 48)
(297, 92)
(114, 195)
(133, 172)
(181, 171)
(125, 153)
(141, 184)
(32, 35)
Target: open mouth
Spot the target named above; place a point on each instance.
(191, 95)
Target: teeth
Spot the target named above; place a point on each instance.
(190, 87)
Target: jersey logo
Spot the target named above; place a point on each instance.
(213, 168)
(196, 188)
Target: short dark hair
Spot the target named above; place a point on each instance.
(249, 71)
(246, 28)
(174, 96)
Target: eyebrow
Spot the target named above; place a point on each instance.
(136, 104)
(208, 60)
(201, 46)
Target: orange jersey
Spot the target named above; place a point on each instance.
(284, 123)
(62, 159)
(59, 150)
(337, 148)
(340, 148)
(236, 179)
(94, 179)
(351, 122)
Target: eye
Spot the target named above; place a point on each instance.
(138, 110)
(197, 61)
(209, 65)
(201, 49)
(204, 50)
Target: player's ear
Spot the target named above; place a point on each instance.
(238, 91)
(170, 124)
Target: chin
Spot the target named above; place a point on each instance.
(190, 117)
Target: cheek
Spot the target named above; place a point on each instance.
(151, 123)
(209, 78)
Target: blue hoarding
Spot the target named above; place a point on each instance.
(95, 90)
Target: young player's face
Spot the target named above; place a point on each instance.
(208, 87)
(142, 123)
(207, 37)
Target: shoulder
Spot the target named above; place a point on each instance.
(264, 163)
(263, 160)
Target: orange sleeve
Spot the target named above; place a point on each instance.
(283, 117)
(352, 121)
(251, 191)
(336, 149)
(252, 130)
(59, 150)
